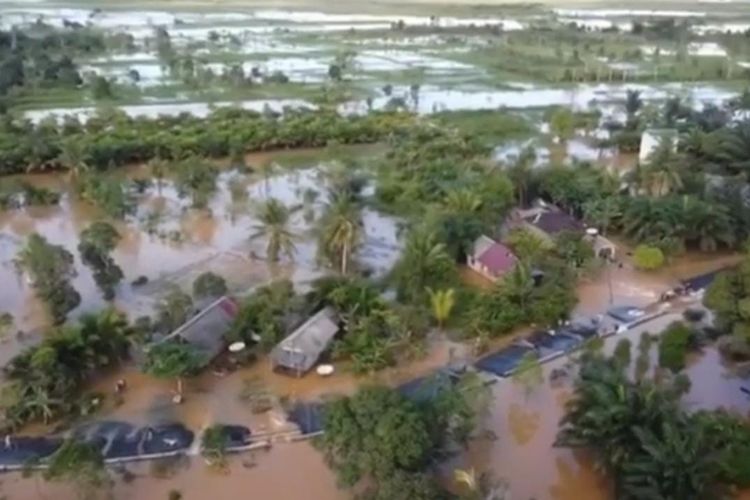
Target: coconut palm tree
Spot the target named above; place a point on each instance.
(521, 173)
(340, 230)
(442, 302)
(274, 219)
(72, 157)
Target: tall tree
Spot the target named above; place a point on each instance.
(340, 231)
(274, 220)
(50, 268)
(424, 263)
(96, 244)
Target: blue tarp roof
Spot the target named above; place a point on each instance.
(559, 342)
(18, 451)
(504, 361)
(702, 281)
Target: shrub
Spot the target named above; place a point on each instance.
(622, 352)
(675, 342)
(648, 258)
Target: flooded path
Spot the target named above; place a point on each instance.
(516, 440)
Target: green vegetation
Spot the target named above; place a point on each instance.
(410, 436)
(174, 360)
(44, 381)
(50, 268)
(14, 195)
(112, 138)
(209, 285)
(96, 244)
(109, 194)
(340, 231)
(174, 309)
(81, 464)
(639, 434)
(214, 445)
(274, 220)
(265, 313)
(648, 258)
(728, 297)
(674, 345)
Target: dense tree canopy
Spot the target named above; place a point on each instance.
(50, 268)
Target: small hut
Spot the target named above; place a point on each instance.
(206, 330)
(299, 352)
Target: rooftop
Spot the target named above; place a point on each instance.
(555, 221)
(205, 331)
(496, 257)
(301, 349)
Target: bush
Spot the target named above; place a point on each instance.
(648, 258)
(622, 352)
(675, 342)
(209, 285)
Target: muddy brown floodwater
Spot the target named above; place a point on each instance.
(516, 441)
(215, 239)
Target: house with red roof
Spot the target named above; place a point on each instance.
(491, 259)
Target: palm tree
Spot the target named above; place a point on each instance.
(602, 213)
(463, 201)
(707, 224)
(735, 149)
(663, 173)
(520, 173)
(442, 302)
(340, 230)
(672, 463)
(424, 262)
(274, 219)
(72, 156)
(519, 285)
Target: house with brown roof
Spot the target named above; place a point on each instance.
(548, 222)
(490, 258)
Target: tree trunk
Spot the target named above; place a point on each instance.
(179, 386)
(344, 257)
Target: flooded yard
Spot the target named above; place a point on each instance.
(169, 242)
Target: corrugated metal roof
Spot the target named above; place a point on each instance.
(301, 349)
(205, 331)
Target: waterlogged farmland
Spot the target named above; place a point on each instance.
(442, 183)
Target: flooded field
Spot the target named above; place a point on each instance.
(168, 242)
(418, 61)
(448, 59)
